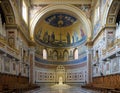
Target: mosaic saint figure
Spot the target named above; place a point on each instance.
(39, 33)
(45, 37)
(68, 38)
(52, 37)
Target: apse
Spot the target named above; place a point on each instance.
(60, 29)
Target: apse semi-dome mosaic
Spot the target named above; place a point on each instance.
(60, 30)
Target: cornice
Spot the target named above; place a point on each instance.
(14, 26)
(42, 2)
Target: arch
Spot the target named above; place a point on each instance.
(71, 8)
(66, 55)
(45, 54)
(75, 53)
(112, 12)
(55, 55)
(105, 13)
(8, 12)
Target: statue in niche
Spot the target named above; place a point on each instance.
(45, 37)
(68, 38)
(11, 40)
(52, 37)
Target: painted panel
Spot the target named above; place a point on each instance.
(45, 76)
(75, 76)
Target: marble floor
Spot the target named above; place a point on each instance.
(63, 88)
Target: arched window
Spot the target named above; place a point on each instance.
(66, 55)
(44, 54)
(55, 55)
(24, 11)
(76, 54)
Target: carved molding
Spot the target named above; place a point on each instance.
(36, 2)
(10, 19)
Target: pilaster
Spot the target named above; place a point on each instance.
(32, 65)
(89, 62)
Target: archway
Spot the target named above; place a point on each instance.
(74, 10)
